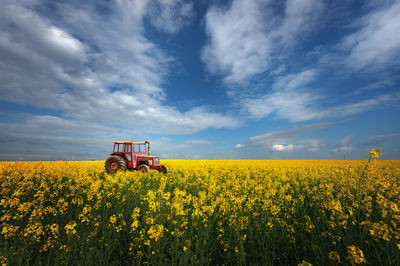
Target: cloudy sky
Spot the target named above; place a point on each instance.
(295, 79)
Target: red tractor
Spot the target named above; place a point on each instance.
(133, 155)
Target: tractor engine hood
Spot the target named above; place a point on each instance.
(149, 158)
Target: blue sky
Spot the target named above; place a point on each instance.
(251, 79)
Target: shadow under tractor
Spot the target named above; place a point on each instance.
(133, 155)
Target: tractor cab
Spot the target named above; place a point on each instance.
(137, 147)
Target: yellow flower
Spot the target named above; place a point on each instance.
(113, 219)
(333, 255)
(54, 229)
(9, 230)
(374, 153)
(355, 255)
(156, 231)
(70, 228)
(3, 260)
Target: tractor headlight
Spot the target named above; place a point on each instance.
(156, 160)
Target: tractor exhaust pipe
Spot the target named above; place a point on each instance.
(148, 148)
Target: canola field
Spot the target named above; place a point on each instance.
(207, 212)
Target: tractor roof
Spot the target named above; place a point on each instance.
(129, 142)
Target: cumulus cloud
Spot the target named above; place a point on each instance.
(280, 147)
(289, 139)
(246, 37)
(342, 149)
(291, 105)
(293, 100)
(44, 136)
(276, 137)
(198, 142)
(238, 146)
(298, 107)
(343, 145)
(287, 100)
(47, 135)
(170, 15)
(95, 67)
(379, 139)
(346, 140)
(375, 42)
(304, 145)
(382, 84)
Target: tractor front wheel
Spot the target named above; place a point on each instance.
(143, 168)
(115, 163)
(164, 169)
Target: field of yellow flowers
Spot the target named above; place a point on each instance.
(203, 212)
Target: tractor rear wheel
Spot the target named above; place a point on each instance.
(115, 163)
(165, 169)
(143, 168)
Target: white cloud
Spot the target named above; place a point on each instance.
(238, 146)
(53, 138)
(94, 68)
(311, 145)
(343, 145)
(284, 136)
(170, 15)
(289, 139)
(342, 149)
(198, 142)
(346, 140)
(290, 96)
(280, 147)
(358, 107)
(26, 27)
(248, 36)
(304, 106)
(57, 138)
(304, 145)
(376, 42)
(379, 139)
(294, 81)
(382, 84)
(291, 105)
(290, 99)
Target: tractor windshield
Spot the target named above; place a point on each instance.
(118, 147)
(139, 148)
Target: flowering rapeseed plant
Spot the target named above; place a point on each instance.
(355, 255)
(305, 212)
